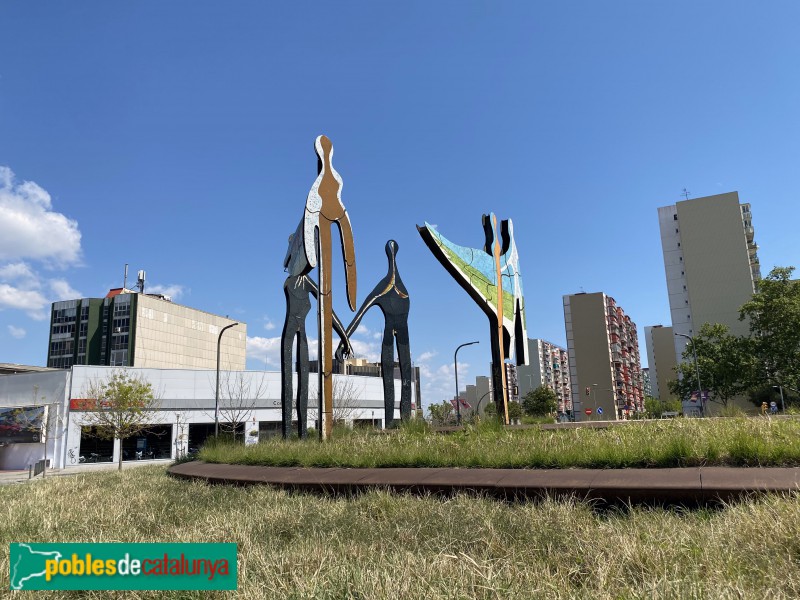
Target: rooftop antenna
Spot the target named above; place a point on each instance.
(140, 281)
(125, 278)
(685, 193)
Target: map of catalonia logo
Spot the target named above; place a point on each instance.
(122, 566)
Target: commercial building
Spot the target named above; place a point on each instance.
(604, 363)
(128, 328)
(549, 367)
(660, 342)
(184, 419)
(710, 261)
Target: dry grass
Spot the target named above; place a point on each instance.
(668, 443)
(380, 545)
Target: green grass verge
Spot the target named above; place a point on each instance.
(385, 546)
(649, 444)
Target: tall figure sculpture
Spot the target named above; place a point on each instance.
(296, 288)
(391, 296)
(324, 208)
(492, 278)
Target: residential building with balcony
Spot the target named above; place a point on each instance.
(660, 342)
(604, 362)
(549, 367)
(710, 262)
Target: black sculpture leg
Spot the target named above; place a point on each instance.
(497, 371)
(387, 370)
(404, 358)
(286, 382)
(302, 384)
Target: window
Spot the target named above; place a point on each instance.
(675, 217)
(676, 230)
(679, 244)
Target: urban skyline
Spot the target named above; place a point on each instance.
(189, 152)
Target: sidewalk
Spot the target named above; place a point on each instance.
(12, 477)
(698, 485)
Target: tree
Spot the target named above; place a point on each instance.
(345, 401)
(238, 396)
(515, 411)
(724, 360)
(540, 402)
(120, 406)
(774, 315)
(441, 414)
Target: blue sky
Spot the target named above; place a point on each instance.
(178, 137)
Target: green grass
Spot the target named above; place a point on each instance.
(385, 546)
(647, 444)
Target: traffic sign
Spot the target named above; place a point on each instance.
(599, 410)
(588, 411)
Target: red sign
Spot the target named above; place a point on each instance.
(588, 411)
(87, 404)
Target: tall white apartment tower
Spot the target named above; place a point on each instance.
(710, 261)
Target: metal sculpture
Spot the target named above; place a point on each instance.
(297, 288)
(492, 278)
(324, 208)
(391, 296)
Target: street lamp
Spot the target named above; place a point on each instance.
(478, 406)
(594, 398)
(455, 367)
(783, 405)
(216, 395)
(697, 370)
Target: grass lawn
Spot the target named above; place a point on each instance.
(760, 441)
(378, 545)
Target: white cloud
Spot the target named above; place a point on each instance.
(61, 290)
(362, 330)
(30, 228)
(29, 300)
(265, 350)
(439, 384)
(426, 356)
(17, 332)
(173, 290)
(268, 324)
(369, 350)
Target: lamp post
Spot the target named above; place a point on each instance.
(594, 399)
(455, 367)
(216, 395)
(478, 406)
(783, 404)
(697, 371)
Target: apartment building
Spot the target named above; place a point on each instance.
(660, 342)
(132, 329)
(549, 367)
(710, 261)
(604, 363)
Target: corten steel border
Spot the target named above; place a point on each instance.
(689, 486)
(501, 247)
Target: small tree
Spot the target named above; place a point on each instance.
(239, 393)
(724, 361)
(540, 402)
(774, 315)
(346, 401)
(441, 414)
(515, 411)
(120, 406)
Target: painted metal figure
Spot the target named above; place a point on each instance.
(492, 278)
(324, 208)
(391, 296)
(297, 288)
